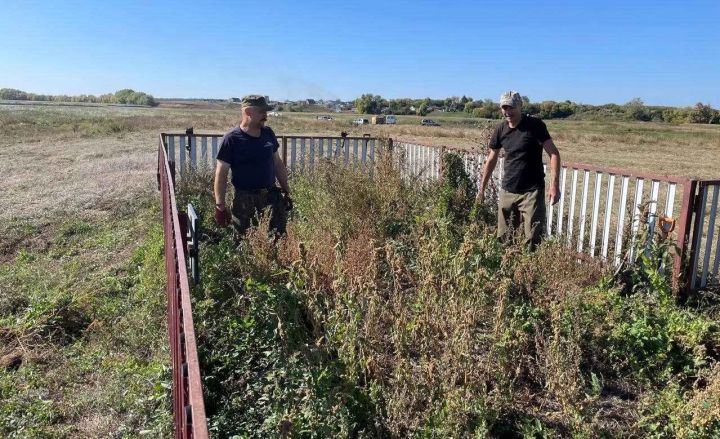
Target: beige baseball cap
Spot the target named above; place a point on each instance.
(511, 98)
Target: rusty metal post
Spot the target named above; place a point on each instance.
(696, 234)
(681, 280)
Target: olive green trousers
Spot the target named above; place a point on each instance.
(522, 212)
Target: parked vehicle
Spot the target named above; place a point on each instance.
(390, 119)
(429, 122)
(360, 121)
(274, 113)
(324, 117)
(378, 120)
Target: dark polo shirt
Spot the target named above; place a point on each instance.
(523, 153)
(250, 158)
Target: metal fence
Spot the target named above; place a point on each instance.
(705, 257)
(600, 213)
(601, 210)
(187, 397)
(300, 153)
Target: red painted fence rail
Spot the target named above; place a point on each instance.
(188, 405)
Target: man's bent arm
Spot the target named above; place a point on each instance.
(281, 173)
(221, 174)
(488, 169)
(553, 191)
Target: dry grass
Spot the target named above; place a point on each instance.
(44, 182)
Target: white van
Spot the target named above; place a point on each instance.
(390, 119)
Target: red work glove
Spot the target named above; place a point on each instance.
(221, 216)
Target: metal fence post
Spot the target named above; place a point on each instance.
(189, 148)
(683, 239)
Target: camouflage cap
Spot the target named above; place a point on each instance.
(511, 98)
(256, 101)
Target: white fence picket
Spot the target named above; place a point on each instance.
(621, 219)
(596, 208)
(193, 153)
(182, 152)
(353, 155)
(608, 216)
(571, 215)
(549, 215)
(670, 200)
(709, 238)
(653, 207)
(204, 151)
(311, 157)
(561, 207)
(583, 211)
(637, 213)
(293, 154)
(171, 148)
(214, 143)
(699, 222)
(302, 155)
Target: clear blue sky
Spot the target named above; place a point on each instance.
(665, 52)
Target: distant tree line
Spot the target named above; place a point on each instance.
(635, 109)
(374, 104)
(124, 96)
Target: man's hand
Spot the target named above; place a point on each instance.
(553, 194)
(221, 216)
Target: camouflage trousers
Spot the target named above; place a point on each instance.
(250, 205)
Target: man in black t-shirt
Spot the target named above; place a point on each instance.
(250, 152)
(521, 200)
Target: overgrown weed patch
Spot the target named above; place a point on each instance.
(391, 310)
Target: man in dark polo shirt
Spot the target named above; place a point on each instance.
(250, 152)
(521, 201)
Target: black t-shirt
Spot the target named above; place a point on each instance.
(523, 153)
(250, 158)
